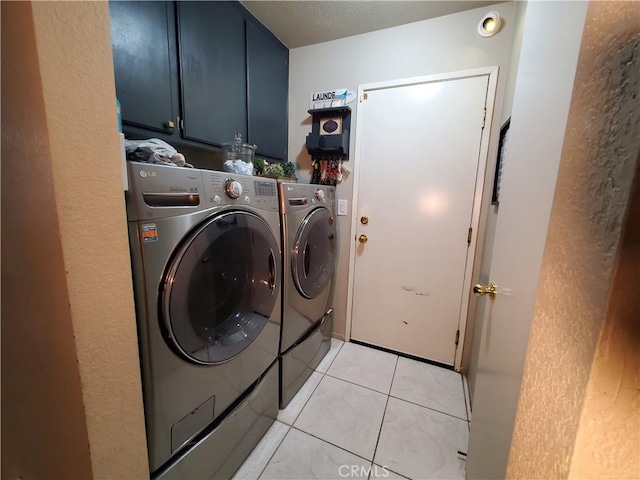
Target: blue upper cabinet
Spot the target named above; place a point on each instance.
(198, 73)
(144, 57)
(213, 71)
(268, 80)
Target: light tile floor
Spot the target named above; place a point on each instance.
(368, 414)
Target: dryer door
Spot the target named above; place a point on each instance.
(221, 287)
(314, 253)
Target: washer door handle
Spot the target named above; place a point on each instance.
(306, 259)
(272, 272)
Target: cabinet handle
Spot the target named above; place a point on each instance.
(169, 124)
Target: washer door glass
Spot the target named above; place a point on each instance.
(221, 287)
(314, 253)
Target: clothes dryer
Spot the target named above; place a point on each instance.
(310, 246)
(206, 260)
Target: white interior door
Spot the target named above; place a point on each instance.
(419, 151)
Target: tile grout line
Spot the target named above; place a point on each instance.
(465, 385)
(466, 419)
(274, 451)
(311, 395)
(397, 398)
(289, 427)
(464, 395)
(346, 381)
(334, 357)
(332, 444)
(356, 384)
(429, 408)
(467, 405)
(313, 391)
(386, 405)
(388, 395)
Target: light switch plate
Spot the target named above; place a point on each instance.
(342, 207)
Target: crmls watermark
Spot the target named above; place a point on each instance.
(360, 471)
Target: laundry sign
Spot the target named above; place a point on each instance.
(338, 97)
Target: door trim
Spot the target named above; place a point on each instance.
(471, 269)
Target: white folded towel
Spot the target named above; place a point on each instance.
(154, 150)
(238, 166)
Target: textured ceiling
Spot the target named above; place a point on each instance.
(300, 23)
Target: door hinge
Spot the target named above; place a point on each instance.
(469, 236)
(457, 337)
(484, 117)
(180, 124)
(364, 97)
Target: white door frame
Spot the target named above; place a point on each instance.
(470, 269)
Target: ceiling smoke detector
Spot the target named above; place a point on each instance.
(489, 25)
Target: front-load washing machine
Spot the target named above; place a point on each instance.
(310, 250)
(206, 262)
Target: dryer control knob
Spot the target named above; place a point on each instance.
(320, 195)
(232, 188)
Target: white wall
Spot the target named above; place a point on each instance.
(444, 44)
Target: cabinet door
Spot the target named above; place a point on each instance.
(213, 71)
(268, 79)
(143, 38)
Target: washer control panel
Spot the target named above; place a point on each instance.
(159, 191)
(222, 188)
(298, 196)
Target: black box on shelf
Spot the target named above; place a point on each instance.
(329, 132)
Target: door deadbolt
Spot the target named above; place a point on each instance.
(364, 220)
(491, 290)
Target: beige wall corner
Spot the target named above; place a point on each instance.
(594, 181)
(74, 52)
(44, 433)
(608, 440)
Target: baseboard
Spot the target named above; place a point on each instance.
(339, 336)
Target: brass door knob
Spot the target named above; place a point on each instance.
(364, 220)
(363, 239)
(491, 290)
(169, 124)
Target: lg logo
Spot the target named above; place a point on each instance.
(145, 174)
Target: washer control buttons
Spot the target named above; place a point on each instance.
(232, 188)
(320, 195)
